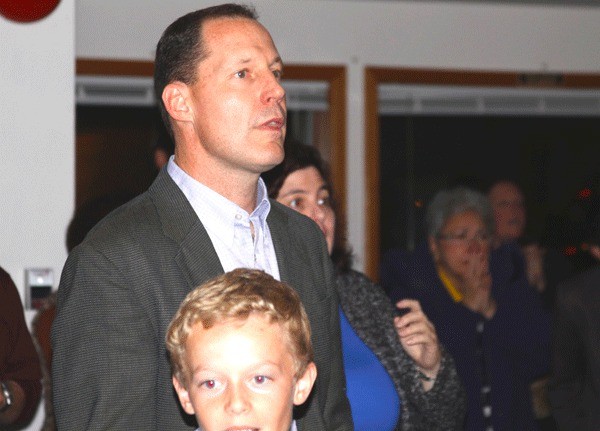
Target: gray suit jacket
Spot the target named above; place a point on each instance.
(120, 288)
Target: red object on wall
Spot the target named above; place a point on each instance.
(27, 10)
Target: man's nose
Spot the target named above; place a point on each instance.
(273, 90)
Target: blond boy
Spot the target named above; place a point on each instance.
(241, 353)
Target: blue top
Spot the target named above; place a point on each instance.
(374, 402)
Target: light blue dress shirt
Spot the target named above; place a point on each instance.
(229, 226)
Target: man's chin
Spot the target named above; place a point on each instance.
(272, 161)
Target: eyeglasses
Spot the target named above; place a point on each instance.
(462, 237)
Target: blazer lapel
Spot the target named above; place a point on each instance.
(291, 257)
(197, 257)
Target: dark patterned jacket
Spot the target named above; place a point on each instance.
(371, 315)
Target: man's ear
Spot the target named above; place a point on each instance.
(304, 384)
(184, 396)
(175, 97)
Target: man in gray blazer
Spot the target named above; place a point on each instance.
(217, 75)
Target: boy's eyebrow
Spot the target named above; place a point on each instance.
(200, 369)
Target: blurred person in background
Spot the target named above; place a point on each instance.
(543, 267)
(495, 328)
(20, 373)
(575, 382)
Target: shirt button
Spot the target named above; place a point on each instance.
(238, 216)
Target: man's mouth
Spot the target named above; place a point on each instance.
(242, 428)
(274, 123)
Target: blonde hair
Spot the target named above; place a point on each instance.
(235, 295)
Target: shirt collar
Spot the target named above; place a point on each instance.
(452, 290)
(216, 212)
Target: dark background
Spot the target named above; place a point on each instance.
(554, 159)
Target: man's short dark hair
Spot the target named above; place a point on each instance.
(181, 48)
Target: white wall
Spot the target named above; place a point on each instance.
(362, 33)
(36, 143)
(37, 140)
(38, 152)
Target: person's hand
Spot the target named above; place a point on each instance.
(418, 337)
(477, 287)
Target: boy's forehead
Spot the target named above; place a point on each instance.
(255, 322)
(235, 343)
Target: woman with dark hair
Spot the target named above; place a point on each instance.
(398, 376)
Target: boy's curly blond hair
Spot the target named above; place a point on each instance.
(234, 296)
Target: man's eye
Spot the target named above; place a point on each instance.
(278, 74)
(241, 74)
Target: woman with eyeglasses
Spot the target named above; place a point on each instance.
(398, 377)
(497, 332)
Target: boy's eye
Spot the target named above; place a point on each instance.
(295, 203)
(260, 379)
(211, 387)
(209, 384)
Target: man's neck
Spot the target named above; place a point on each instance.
(237, 187)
